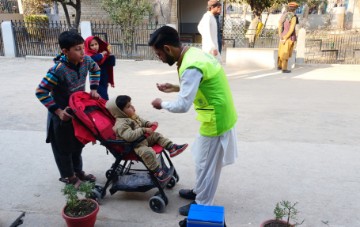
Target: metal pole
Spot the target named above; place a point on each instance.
(223, 21)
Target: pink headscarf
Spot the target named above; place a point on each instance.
(103, 46)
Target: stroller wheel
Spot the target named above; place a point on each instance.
(108, 174)
(171, 182)
(96, 193)
(163, 197)
(157, 204)
(177, 178)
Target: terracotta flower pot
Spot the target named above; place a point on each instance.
(275, 223)
(88, 220)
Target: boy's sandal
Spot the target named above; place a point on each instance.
(71, 180)
(85, 177)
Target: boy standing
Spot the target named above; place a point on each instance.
(130, 127)
(67, 76)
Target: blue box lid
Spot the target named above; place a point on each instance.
(212, 214)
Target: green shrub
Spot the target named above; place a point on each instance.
(36, 18)
(76, 206)
(35, 25)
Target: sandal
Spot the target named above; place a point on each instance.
(71, 180)
(85, 177)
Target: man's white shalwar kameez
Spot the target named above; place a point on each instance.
(210, 153)
(208, 29)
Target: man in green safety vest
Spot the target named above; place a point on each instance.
(203, 83)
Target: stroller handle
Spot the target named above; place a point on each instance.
(69, 111)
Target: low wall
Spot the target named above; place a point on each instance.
(255, 58)
(11, 16)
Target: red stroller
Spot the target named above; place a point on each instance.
(92, 122)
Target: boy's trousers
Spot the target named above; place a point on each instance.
(66, 148)
(145, 151)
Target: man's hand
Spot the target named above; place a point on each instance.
(167, 87)
(215, 52)
(94, 94)
(157, 103)
(63, 115)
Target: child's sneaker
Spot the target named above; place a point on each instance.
(177, 149)
(161, 175)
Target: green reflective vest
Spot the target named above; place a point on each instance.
(213, 101)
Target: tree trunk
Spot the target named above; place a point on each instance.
(78, 14)
(66, 14)
(267, 17)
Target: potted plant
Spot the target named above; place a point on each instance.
(284, 212)
(80, 211)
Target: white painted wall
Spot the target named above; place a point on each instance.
(85, 28)
(356, 14)
(260, 58)
(8, 39)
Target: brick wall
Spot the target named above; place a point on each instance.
(91, 11)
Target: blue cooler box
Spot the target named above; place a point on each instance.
(202, 216)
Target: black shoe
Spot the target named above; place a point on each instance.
(187, 194)
(286, 71)
(184, 210)
(279, 68)
(183, 223)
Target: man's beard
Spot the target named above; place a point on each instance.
(169, 59)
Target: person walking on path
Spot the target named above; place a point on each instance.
(219, 32)
(208, 28)
(66, 77)
(203, 83)
(219, 28)
(287, 36)
(254, 29)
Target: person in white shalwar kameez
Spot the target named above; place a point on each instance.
(210, 153)
(208, 29)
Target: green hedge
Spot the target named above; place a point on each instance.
(36, 18)
(35, 24)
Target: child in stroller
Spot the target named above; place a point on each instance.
(92, 121)
(130, 127)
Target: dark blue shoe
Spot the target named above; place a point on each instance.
(184, 210)
(187, 194)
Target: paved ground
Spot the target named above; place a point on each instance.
(298, 139)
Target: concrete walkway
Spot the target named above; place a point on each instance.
(298, 138)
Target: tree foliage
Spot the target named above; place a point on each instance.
(35, 7)
(259, 6)
(76, 4)
(128, 14)
(314, 3)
